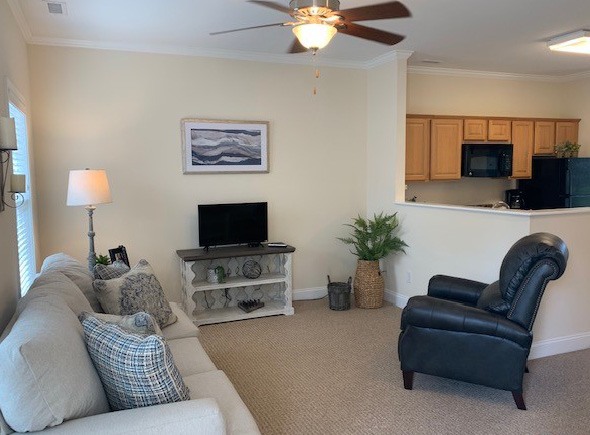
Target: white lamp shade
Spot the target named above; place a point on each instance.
(18, 183)
(88, 187)
(314, 35)
(7, 134)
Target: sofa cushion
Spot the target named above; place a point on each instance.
(215, 384)
(182, 328)
(56, 284)
(77, 272)
(46, 375)
(137, 290)
(138, 323)
(115, 270)
(135, 370)
(190, 357)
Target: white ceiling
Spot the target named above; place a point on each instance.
(486, 35)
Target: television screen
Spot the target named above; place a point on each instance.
(232, 224)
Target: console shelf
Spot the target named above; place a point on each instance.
(240, 281)
(207, 302)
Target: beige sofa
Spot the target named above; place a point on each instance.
(48, 382)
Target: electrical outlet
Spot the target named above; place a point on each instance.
(408, 277)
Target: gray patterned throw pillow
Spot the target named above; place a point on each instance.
(135, 370)
(137, 290)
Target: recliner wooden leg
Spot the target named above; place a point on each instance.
(519, 400)
(526, 369)
(408, 379)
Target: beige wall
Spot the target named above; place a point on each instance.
(449, 95)
(121, 112)
(577, 105)
(14, 66)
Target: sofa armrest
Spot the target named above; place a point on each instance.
(190, 417)
(433, 313)
(455, 289)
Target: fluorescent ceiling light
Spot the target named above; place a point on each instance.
(576, 42)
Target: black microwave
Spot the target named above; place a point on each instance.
(486, 160)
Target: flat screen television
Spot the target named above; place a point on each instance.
(233, 224)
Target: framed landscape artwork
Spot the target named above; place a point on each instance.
(210, 146)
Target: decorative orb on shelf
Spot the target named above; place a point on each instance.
(251, 269)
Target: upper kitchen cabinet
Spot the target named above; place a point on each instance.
(499, 129)
(417, 149)
(544, 137)
(475, 129)
(566, 131)
(523, 133)
(446, 137)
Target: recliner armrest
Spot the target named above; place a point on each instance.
(455, 289)
(429, 312)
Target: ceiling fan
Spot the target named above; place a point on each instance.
(317, 21)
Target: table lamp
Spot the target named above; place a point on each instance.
(89, 187)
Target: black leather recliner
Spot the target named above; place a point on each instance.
(480, 333)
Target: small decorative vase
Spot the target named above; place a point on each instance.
(211, 275)
(369, 287)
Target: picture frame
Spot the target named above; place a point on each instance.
(119, 253)
(221, 146)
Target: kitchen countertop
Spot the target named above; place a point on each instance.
(512, 212)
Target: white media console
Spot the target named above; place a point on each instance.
(207, 302)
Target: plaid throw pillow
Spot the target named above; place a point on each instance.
(139, 323)
(115, 270)
(135, 370)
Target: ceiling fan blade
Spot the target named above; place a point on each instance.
(248, 28)
(376, 12)
(272, 5)
(296, 47)
(371, 34)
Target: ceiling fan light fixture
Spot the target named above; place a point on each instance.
(314, 36)
(576, 42)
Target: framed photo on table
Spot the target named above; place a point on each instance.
(210, 146)
(119, 254)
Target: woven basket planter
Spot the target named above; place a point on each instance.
(369, 287)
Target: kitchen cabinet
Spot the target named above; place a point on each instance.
(499, 129)
(523, 133)
(544, 137)
(446, 137)
(475, 129)
(417, 149)
(566, 131)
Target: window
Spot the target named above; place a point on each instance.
(24, 213)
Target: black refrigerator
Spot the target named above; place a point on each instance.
(557, 183)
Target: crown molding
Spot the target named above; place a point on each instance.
(497, 75)
(577, 76)
(291, 59)
(20, 19)
(388, 57)
(482, 74)
(198, 52)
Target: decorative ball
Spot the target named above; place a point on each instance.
(251, 269)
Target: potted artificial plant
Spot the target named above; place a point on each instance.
(372, 241)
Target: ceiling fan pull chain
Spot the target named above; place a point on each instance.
(317, 71)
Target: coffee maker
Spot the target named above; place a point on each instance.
(515, 199)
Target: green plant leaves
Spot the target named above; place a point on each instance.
(374, 239)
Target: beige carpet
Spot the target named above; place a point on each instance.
(326, 372)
